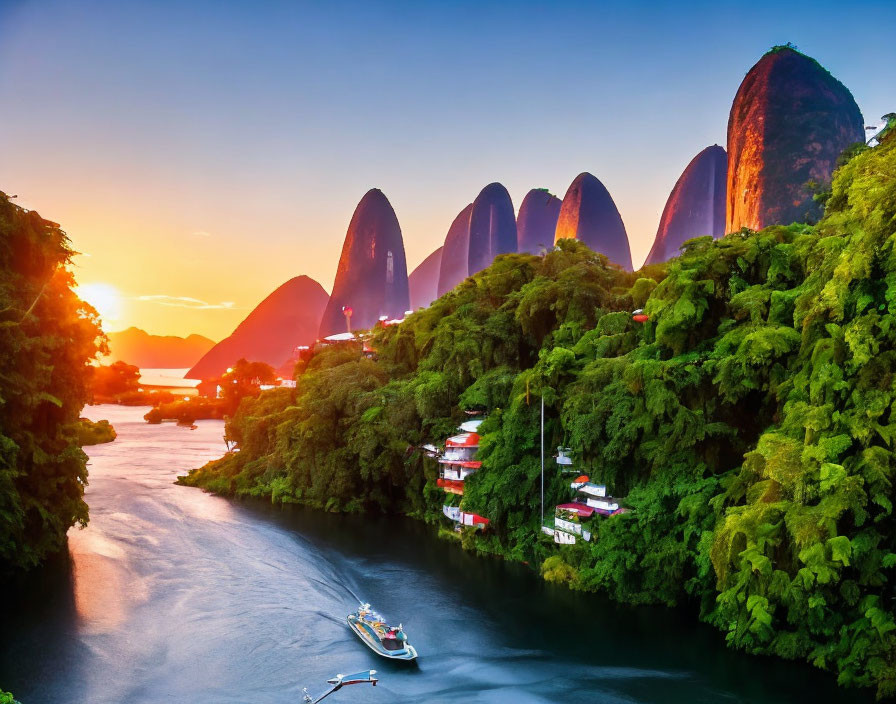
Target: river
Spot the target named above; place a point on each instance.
(174, 595)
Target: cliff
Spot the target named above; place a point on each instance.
(372, 277)
(423, 282)
(696, 205)
(537, 221)
(492, 227)
(285, 319)
(589, 214)
(453, 268)
(789, 122)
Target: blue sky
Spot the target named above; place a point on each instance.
(228, 143)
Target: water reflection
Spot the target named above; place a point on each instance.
(175, 595)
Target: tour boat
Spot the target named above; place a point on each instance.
(388, 641)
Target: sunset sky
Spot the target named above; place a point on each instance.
(199, 154)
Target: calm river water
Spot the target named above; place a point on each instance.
(173, 595)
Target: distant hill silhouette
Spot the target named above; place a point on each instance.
(138, 347)
(289, 317)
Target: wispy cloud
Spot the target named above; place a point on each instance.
(186, 302)
(201, 233)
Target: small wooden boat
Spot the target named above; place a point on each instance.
(387, 641)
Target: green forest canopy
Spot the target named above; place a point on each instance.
(47, 338)
(750, 423)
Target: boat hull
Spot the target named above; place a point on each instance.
(372, 642)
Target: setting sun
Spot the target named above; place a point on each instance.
(106, 299)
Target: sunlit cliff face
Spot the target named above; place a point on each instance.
(589, 214)
(571, 207)
(372, 276)
(696, 206)
(789, 122)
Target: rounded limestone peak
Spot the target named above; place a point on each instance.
(492, 227)
(696, 205)
(537, 221)
(453, 267)
(372, 277)
(789, 122)
(589, 214)
(423, 282)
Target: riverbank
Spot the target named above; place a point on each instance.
(743, 417)
(175, 594)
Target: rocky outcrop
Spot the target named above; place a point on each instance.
(289, 317)
(537, 221)
(789, 122)
(695, 207)
(423, 283)
(453, 267)
(492, 227)
(589, 214)
(372, 277)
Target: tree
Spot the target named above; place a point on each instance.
(48, 337)
(242, 380)
(109, 381)
(749, 424)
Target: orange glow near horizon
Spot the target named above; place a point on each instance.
(107, 301)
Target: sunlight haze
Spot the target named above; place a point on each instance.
(200, 154)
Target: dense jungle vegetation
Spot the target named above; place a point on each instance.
(750, 424)
(47, 338)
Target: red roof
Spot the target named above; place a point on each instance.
(451, 486)
(463, 440)
(581, 509)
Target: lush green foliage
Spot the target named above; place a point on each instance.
(186, 410)
(750, 424)
(47, 338)
(243, 380)
(7, 698)
(90, 433)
